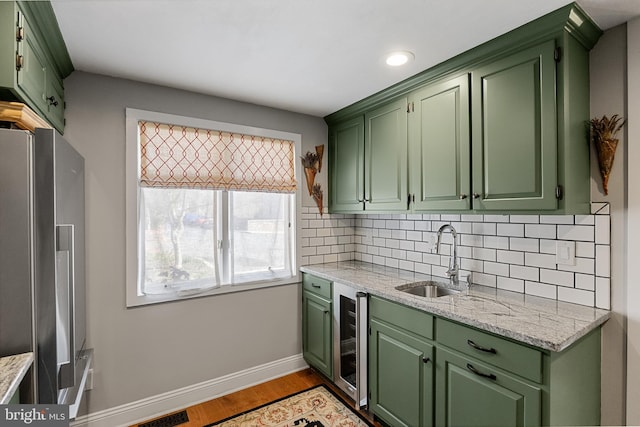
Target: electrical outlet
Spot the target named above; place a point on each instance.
(565, 253)
(88, 385)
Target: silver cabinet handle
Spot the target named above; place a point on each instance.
(463, 196)
(476, 196)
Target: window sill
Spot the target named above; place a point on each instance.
(142, 300)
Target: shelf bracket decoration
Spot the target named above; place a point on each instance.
(603, 134)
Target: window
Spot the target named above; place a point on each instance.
(211, 207)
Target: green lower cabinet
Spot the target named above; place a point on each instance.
(401, 381)
(317, 332)
(470, 393)
(425, 370)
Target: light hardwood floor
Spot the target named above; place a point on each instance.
(252, 397)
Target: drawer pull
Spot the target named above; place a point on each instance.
(316, 286)
(480, 374)
(479, 348)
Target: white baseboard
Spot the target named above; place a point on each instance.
(156, 406)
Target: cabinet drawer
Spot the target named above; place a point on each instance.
(507, 355)
(412, 320)
(316, 285)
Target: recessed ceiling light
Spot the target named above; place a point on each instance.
(395, 59)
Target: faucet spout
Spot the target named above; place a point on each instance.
(454, 267)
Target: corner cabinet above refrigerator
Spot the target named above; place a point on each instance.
(42, 265)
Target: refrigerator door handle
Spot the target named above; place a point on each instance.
(361, 349)
(65, 292)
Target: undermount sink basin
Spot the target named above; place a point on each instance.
(428, 288)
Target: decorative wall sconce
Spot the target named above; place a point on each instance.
(312, 163)
(603, 135)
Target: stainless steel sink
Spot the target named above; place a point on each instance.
(428, 288)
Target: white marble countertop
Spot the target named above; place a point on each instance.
(541, 322)
(12, 370)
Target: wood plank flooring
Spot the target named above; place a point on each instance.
(252, 397)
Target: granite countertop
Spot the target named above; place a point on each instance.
(12, 370)
(541, 322)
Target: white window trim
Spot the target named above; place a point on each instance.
(132, 168)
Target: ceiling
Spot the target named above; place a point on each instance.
(306, 56)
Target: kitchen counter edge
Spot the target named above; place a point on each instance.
(579, 320)
(12, 371)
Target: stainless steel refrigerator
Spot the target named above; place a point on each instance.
(42, 264)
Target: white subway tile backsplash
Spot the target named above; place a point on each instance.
(496, 242)
(540, 231)
(554, 277)
(484, 279)
(583, 233)
(583, 265)
(496, 218)
(522, 272)
(585, 219)
(585, 250)
(512, 252)
(510, 257)
(576, 296)
(541, 289)
(524, 219)
(484, 254)
(524, 244)
(539, 260)
(603, 229)
(484, 228)
(603, 293)
(556, 219)
(548, 246)
(511, 230)
(603, 261)
(508, 284)
(497, 268)
(585, 281)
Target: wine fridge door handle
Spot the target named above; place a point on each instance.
(361, 339)
(65, 291)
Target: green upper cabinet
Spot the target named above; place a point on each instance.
(386, 185)
(34, 59)
(439, 146)
(368, 161)
(514, 131)
(346, 165)
(499, 128)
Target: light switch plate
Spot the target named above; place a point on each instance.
(565, 253)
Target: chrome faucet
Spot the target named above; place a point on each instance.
(452, 272)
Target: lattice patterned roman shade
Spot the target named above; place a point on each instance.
(173, 156)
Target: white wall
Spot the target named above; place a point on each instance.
(149, 350)
(608, 96)
(633, 246)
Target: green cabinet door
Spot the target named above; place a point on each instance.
(439, 146)
(346, 166)
(386, 180)
(514, 131)
(400, 377)
(317, 332)
(471, 393)
(32, 66)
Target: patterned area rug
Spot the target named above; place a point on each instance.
(316, 407)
